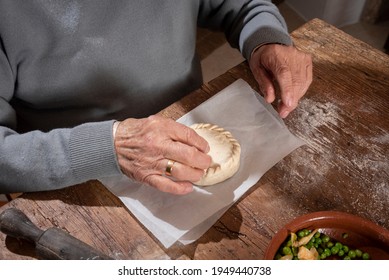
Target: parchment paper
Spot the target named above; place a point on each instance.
(264, 140)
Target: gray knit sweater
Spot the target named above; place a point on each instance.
(69, 68)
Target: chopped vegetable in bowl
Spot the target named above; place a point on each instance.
(313, 245)
(351, 231)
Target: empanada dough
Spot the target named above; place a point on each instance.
(224, 151)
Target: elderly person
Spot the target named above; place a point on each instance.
(80, 81)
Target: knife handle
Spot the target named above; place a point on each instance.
(52, 243)
(15, 223)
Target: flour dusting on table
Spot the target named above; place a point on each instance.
(312, 115)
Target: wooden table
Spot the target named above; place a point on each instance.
(344, 118)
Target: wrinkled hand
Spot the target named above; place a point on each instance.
(283, 67)
(144, 146)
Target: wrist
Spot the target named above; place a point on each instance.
(256, 49)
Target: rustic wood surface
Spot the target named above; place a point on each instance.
(344, 119)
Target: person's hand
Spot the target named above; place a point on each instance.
(284, 68)
(145, 147)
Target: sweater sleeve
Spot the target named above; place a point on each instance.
(37, 161)
(246, 23)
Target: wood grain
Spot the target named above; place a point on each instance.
(344, 165)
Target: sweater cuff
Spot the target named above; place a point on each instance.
(92, 151)
(263, 30)
(265, 35)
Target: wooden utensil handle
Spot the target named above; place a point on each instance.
(15, 223)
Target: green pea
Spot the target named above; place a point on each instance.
(330, 244)
(341, 253)
(334, 250)
(325, 239)
(301, 233)
(317, 235)
(327, 252)
(365, 256)
(323, 256)
(345, 248)
(286, 251)
(339, 245)
(352, 254)
(347, 258)
(358, 253)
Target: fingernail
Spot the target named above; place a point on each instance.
(289, 102)
(284, 114)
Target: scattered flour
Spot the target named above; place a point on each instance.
(312, 114)
(321, 125)
(316, 161)
(382, 139)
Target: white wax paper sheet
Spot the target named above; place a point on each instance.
(264, 140)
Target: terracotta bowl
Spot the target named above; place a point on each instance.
(362, 234)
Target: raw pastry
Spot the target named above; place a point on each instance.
(224, 151)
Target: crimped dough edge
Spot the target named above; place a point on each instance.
(219, 173)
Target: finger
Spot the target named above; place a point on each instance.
(186, 135)
(283, 110)
(169, 186)
(292, 91)
(265, 83)
(263, 78)
(187, 155)
(292, 85)
(300, 74)
(184, 172)
(284, 78)
(308, 73)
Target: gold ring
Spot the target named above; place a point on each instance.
(169, 167)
